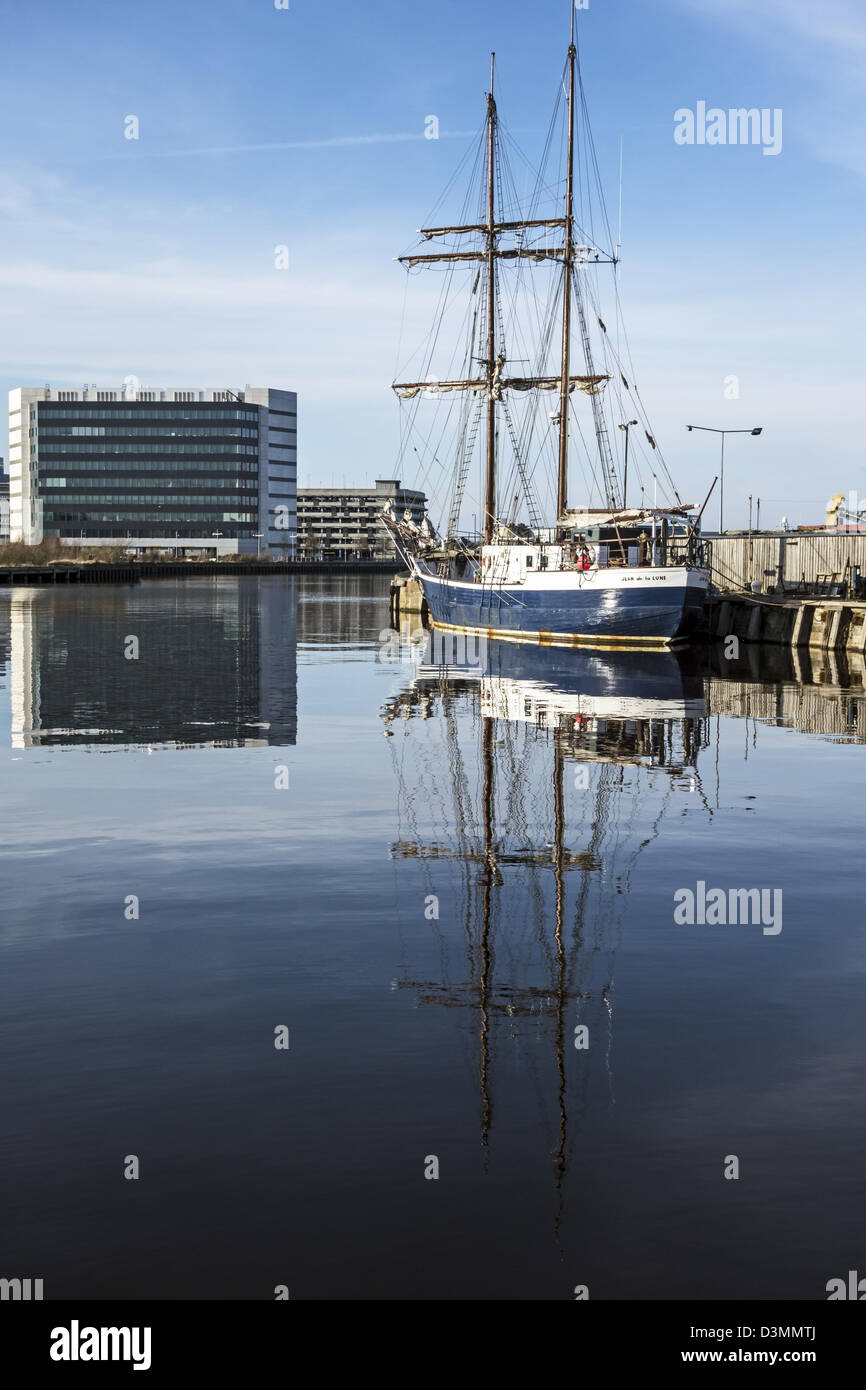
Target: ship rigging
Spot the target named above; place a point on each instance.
(570, 582)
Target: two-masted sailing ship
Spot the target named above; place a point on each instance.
(608, 573)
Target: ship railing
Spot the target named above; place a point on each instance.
(690, 550)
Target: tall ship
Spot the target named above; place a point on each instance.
(520, 290)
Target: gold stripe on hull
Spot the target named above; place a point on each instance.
(566, 639)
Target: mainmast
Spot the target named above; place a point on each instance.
(490, 467)
(568, 259)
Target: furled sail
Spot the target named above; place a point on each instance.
(589, 385)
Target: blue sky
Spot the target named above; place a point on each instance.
(305, 127)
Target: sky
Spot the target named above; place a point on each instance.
(304, 127)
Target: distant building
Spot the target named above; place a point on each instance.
(155, 469)
(343, 523)
(4, 504)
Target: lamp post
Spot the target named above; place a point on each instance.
(627, 426)
(710, 430)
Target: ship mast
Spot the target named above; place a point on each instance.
(568, 259)
(490, 466)
(492, 380)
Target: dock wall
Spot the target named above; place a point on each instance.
(784, 560)
(817, 624)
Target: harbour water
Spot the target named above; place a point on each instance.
(511, 1072)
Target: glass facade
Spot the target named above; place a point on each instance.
(165, 469)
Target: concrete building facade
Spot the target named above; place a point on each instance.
(189, 470)
(4, 504)
(343, 523)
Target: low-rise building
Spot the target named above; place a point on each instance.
(343, 523)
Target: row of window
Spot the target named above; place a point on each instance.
(347, 514)
(58, 463)
(169, 450)
(176, 431)
(167, 409)
(89, 518)
(110, 531)
(198, 499)
(101, 488)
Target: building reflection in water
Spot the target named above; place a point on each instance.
(340, 610)
(217, 664)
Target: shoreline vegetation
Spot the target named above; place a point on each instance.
(50, 553)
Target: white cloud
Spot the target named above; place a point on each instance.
(330, 142)
(185, 284)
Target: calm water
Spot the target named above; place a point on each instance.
(466, 866)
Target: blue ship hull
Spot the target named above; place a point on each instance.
(644, 674)
(633, 610)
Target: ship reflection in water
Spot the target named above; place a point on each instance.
(181, 666)
(531, 808)
(536, 779)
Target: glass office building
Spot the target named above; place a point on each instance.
(155, 469)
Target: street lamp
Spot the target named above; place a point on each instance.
(627, 426)
(709, 430)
